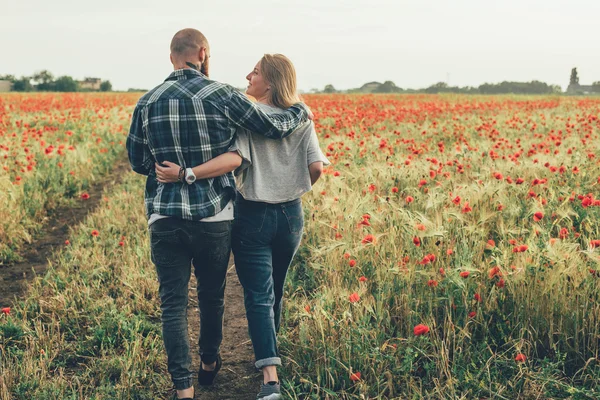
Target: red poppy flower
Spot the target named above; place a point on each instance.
(307, 308)
(432, 283)
(416, 241)
(523, 248)
(538, 216)
(355, 377)
(472, 314)
(467, 208)
(394, 190)
(95, 233)
(495, 271)
(6, 310)
(564, 233)
(520, 357)
(354, 297)
(85, 196)
(477, 297)
(500, 283)
(67, 242)
(464, 274)
(421, 330)
(368, 239)
(362, 279)
(352, 263)
(409, 199)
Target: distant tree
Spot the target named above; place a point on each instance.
(329, 89)
(105, 86)
(439, 87)
(22, 85)
(555, 89)
(10, 78)
(43, 80)
(574, 80)
(65, 84)
(596, 87)
(387, 87)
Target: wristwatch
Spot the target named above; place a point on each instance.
(189, 176)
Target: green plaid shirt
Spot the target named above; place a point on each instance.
(188, 120)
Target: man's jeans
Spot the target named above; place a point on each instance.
(264, 240)
(175, 245)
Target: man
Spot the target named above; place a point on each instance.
(188, 120)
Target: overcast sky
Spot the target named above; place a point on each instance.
(414, 43)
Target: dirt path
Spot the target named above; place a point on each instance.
(13, 276)
(238, 379)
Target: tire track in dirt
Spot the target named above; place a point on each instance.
(238, 378)
(54, 232)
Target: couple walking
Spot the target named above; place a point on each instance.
(189, 135)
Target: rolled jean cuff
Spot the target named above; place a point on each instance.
(267, 362)
(183, 383)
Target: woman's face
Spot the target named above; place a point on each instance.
(257, 85)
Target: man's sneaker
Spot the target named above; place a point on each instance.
(206, 378)
(270, 391)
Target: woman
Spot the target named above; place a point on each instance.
(269, 221)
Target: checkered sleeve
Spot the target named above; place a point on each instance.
(140, 157)
(244, 113)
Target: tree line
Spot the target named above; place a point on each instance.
(44, 81)
(533, 87)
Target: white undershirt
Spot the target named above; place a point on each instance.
(226, 214)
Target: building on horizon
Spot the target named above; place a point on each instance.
(580, 89)
(5, 86)
(90, 84)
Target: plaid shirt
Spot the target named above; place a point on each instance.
(189, 120)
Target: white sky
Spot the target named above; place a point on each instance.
(414, 43)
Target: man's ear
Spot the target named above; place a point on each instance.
(171, 58)
(202, 54)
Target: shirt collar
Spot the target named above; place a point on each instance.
(185, 73)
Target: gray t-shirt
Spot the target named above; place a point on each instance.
(276, 171)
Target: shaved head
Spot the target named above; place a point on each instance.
(187, 43)
(189, 49)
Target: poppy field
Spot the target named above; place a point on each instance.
(451, 251)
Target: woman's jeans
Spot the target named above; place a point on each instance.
(176, 244)
(265, 238)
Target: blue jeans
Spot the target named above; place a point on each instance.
(265, 238)
(176, 244)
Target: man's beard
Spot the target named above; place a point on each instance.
(204, 67)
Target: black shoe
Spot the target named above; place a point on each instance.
(177, 398)
(206, 378)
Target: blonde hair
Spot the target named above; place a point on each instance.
(280, 73)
